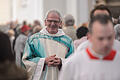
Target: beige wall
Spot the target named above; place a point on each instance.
(35, 9)
(5, 11)
(59, 5)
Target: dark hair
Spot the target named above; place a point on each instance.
(100, 7)
(81, 32)
(119, 20)
(101, 18)
(24, 22)
(5, 48)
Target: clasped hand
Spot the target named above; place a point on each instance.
(52, 61)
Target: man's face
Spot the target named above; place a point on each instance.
(27, 33)
(52, 22)
(102, 37)
(101, 12)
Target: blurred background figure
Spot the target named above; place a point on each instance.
(68, 28)
(8, 68)
(13, 26)
(11, 35)
(81, 35)
(117, 32)
(36, 27)
(20, 42)
(119, 20)
(36, 23)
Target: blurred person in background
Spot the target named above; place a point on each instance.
(117, 32)
(68, 27)
(20, 43)
(36, 29)
(11, 35)
(13, 26)
(81, 35)
(8, 68)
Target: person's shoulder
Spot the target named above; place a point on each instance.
(80, 41)
(34, 36)
(66, 37)
(12, 72)
(116, 45)
(83, 45)
(76, 42)
(21, 38)
(116, 42)
(76, 57)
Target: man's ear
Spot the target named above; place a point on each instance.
(89, 36)
(61, 23)
(114, 34)
(45, 22)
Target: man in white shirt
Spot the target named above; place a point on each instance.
(99, 60)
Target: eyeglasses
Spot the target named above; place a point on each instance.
(55, 21)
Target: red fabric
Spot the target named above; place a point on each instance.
(90, 54)
(25, 28)
(108, 57)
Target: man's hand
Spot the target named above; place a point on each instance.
(50, 60)
(57, 62)
(53, 61)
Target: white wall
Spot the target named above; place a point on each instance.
(29, 10)
(72, 8)
(36, 9)
(83, 11)
(5, 11)
(60, 5)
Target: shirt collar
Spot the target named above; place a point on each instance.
(92, 55)
(59, 33)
